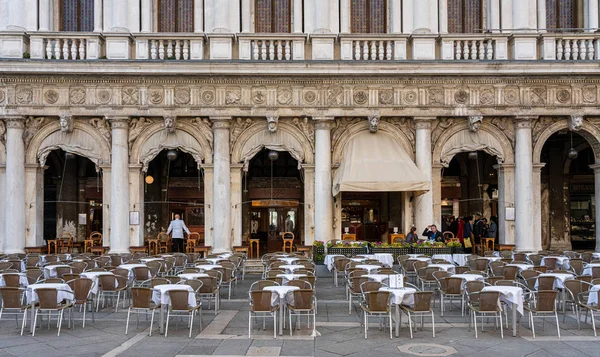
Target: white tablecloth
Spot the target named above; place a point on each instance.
(215, 260)
(562, 261)
(43, 258)
(191, 276)
(23, 265)
(491, 259)
(509, 294)
(394, 280)
(446, 267)
(469, 277)
(358, 259)
(596, 255)
(588, 268)
(288, 277)
(368, 267)
(208, 266)
(446, 257)
(460, 259)
(50, 270)
(329, 260)
(288, 260)
(414, 255)
(146, 260)
(593, 296)
(93, 275)
(22, 280)
(521, 267)
(384, 258)
(291, 268)
(560, 279)
(403, 296)
(279, 293)
(64, 292)
(423, 259)
(159, 295)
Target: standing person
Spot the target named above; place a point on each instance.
(177, 226)
(412, 237)
(493, 229)
(289, 224)
(468, 231)
(454, 226)
(433, 234)
(460, 232)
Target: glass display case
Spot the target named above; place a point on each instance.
(583, 224)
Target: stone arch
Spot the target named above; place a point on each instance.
(84, 141)
(579, 148)
(186, 138)
(383, 127)
(458, 138)
(589, 132)
(286, 138)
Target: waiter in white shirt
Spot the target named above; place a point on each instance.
(177, 226)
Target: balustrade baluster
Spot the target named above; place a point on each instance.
(388, 50)
(82, 54)
(582, 49)
(466, 51)
(567, 49)
(559, 49)
(73, 49)
(153, 49)
(254, 50)
(473, 50)
(186, 50)
(380, 51)
(365, 55)
(373, 55)
(288, 50)
(65, 49)
(169, 49)
(177, 50)
(490, 50)
(357, 50)
(161, 49)
(263, 50)
(57, 48)
(49, 48)
(279, 50)
(458, 50)
(481, 50)
(271, 50)
(591, 50)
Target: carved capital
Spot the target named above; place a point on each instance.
(596, 168)
(525, 121)
(118, 122)
(423, 122)
(323, 123)
(221, 123)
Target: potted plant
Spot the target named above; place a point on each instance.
(347, 248)
(395, 249)
(455, 246)
(318, 252)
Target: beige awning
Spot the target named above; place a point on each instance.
(376, 162)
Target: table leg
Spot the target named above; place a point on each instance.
(281, 313)
(397, 320)
(162, 319)
(31, 314)
(514, 320)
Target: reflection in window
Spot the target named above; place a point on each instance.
(561, 14)
(367, 16)
(273, 16)
(464, 16)
(77, 15)
(176, 16)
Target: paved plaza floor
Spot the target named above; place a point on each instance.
(340, 335)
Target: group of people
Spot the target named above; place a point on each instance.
(461, 227)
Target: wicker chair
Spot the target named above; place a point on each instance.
(376, 303)
(210, 291)
(179, 306)
(141, 303)
(12, 304)
(542, 305)
(421, 307)
(304, 304)
(451, 288)
(300, 284)
(485, 304)
(47, 302)
(573, 289)
(353, 289)
(81, 288)
(260, 306)
(111, 285)
(582, 299)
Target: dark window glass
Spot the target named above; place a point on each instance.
(464, 16)
(272, 16)
(176, 16)
(77, 15)
(368, 16)
(561, 14)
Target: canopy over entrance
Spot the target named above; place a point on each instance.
(376, 162)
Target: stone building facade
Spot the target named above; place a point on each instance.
(431, 81)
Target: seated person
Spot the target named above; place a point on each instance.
(433, 234)
(412, 237)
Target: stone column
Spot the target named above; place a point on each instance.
(309, 204)
(345, 16)
(222, 185)
(106, 193)
(34, 205)
(119, 186)
(596, 168)
(322, 16)
(98, 23)
(247, 16)
(424, 203)
(537, 205)
(14, 226)
(2, 207)
(523, 184)
(443, 16)
(236, 204)
(147, 16)
(506, 182)
(297, 16)
(208, 205)
(323, 183)
(198, 16)
(136, 203)
(591, 15)
(395, 16)
(45, 15)
(436, 185)
(541, 14)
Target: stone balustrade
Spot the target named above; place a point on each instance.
(300, 47)
(179, 47)
(66, 46)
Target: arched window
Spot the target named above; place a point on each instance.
(272, 16)
(464, 16)
(561, 14)
(77, 15)
(368, 16)
(176, 16)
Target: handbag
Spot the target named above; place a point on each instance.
(467, 242)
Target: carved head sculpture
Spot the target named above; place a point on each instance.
(170, 124)
(272, 123)
(475, 122)
(373, 123)
(576, 122)
(66, 123)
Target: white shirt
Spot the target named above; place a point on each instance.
(177, 226)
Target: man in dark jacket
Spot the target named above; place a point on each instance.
(432, 233)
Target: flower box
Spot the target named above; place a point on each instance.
(394, 251)
(432, 250)
(349, 252)
(318, 254)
